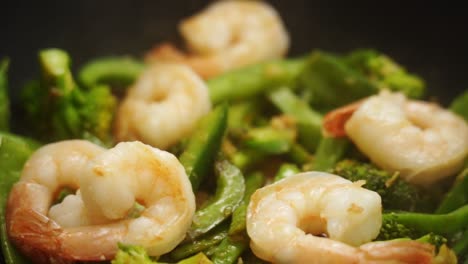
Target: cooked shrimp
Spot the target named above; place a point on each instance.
(163, 106)
(228, 35)
(316, 217)
(420, 140)
(109, 182)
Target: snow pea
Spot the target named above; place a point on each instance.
(457, 196)
(229, 193)
(228, 251)
(14, 151)
(204, 145)
(117, 72)
(254, 79)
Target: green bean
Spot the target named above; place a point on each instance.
(460, 105)
(203, 243)
(4, 101)
(241, 115)
(229, 193)
(253, 80)
(308, 121)
(204, 144)
(252, 183)
(286, 170)
(457, 196)
(113, 71)
(14, 151)
(228, 251)
(268, 140)
(329, 152)
(299, 155)
(246, 158)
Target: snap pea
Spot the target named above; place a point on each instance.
(286, 170)
(4, 102)
(309, 122)
(117, 72)
(253, 80)
(229, 193)
(252, 182)
(203, 243)
(228, 251)
(199, 258)
(299, 155)
(14, 151)
(268, 140)
(204, 144)
(457, 196)
(460, 105)
(329, 152)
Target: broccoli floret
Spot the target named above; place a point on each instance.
(58, 109)
(385, 73)
(437, 229)
(129, 254)
(396, 193)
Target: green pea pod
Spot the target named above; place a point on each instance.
(286, 170)
(199, 258)
(460, 105)
(113, 71)
(229, 193)
(299, 155)
(228, 251)
(246, 158)
(204, 145)
(252, 183)
(202, 243)
(268, 140)
(308, 121)
(4, 101)
(329, 152)
(457, 196)
(254, 79)
(331, 83)
(14, 151)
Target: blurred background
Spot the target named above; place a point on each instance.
(429, 39)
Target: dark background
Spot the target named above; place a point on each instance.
(429, 38)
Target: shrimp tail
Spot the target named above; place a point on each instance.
(334, 121)
(397, 251)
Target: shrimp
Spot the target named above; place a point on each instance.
(109, 182)
(163, 106)
(228, 35)
(317, 217)
(420, 140)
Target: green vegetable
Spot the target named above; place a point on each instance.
(309, 122)
(286, 170)
(228, 251)
(459, 105)
(58, 109)
(328, 82)
(14, 151)
(112, 71)
(252, 183)
(204, 145)
(385, 73)
(253, 80)
(396, 193)
(329, 152)
(4, 101)
(414, 225)
(299, 155)
(229, 193)
(457, 196)
(269, 140)
(199, 258)
(200, 244)
(130, 254)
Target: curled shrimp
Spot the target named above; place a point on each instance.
(228, 35)
(163, 106)
(316, 217)
(420, 140)
(109, 182)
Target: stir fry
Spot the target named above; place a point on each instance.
(231, 152)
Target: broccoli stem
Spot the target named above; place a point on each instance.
(444, 224)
